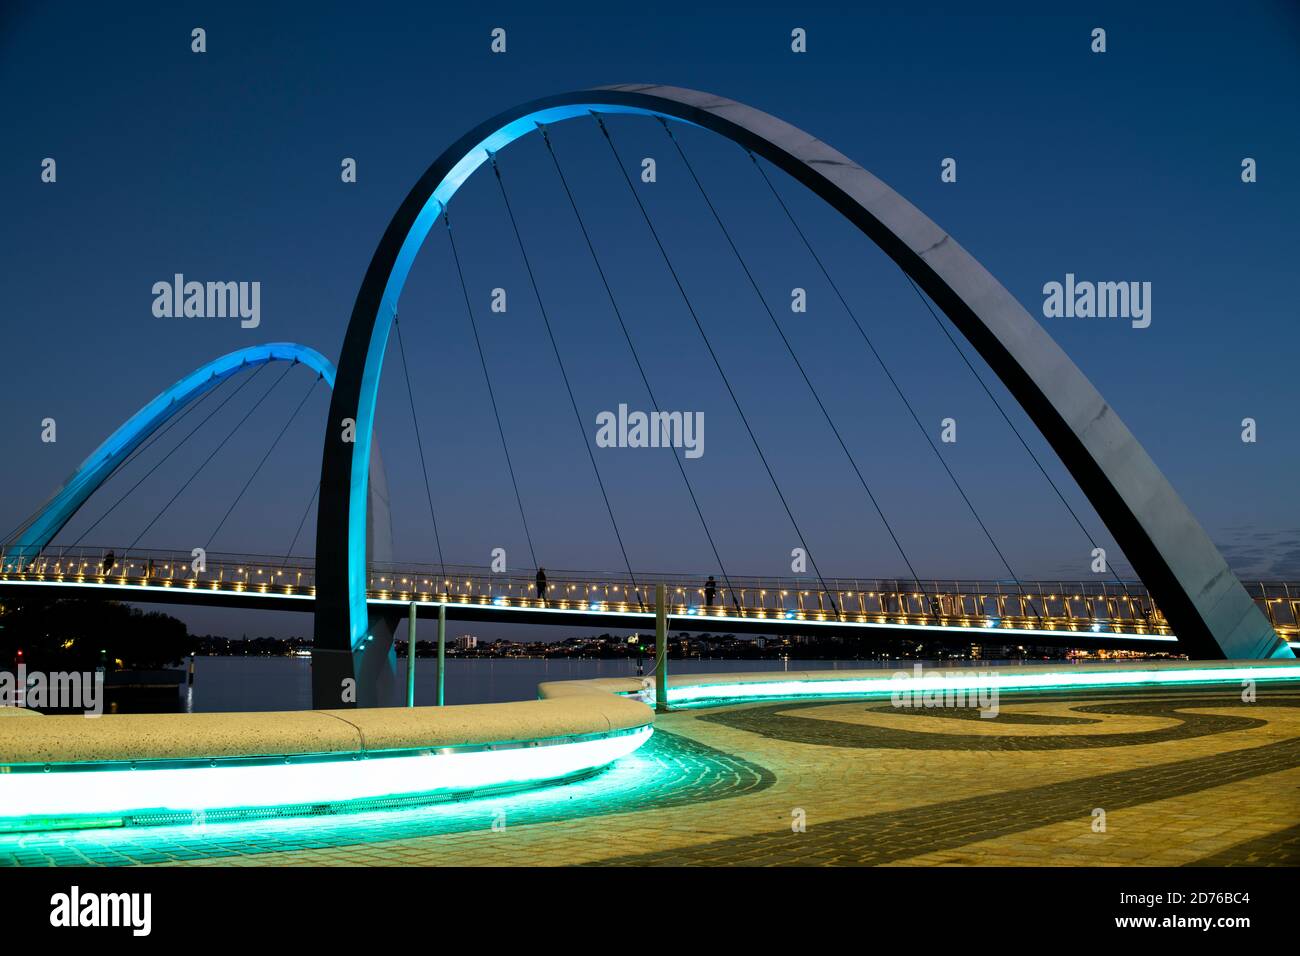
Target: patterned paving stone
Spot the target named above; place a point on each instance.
(1276, 849)
(1174, 831)
(1184, 776)
(879, 838)
(780, 721)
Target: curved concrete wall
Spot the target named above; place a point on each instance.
(70, 771)
(8, 711)
(599, 685)
(77, 739)
(138, 769)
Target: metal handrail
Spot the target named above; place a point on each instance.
(1063, 605)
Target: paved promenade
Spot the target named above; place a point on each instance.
(1182, 776)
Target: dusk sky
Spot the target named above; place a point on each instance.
(225, 166)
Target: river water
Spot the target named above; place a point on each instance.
(284, 683)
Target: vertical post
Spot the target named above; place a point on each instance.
(661, 650)
(410, 657)
(442, 654)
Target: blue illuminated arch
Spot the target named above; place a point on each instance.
(346, 610)
(1202, 599)
(39, 530)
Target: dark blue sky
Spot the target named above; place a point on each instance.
(225, 166)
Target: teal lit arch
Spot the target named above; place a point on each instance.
(1205, 604)
(41, 528)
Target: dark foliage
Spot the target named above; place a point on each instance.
(80, 634)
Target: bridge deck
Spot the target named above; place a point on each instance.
(1094, 613)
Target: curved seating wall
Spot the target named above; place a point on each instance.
(74, 771)
(71, 771)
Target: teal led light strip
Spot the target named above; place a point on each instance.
(115, 794)
(1055, 680)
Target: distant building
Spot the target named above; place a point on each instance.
(466, 642)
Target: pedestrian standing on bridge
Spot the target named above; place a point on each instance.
(710, 591)
(110, 559)
(541, 585)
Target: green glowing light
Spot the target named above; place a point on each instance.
(35, 797)
(1007, 680)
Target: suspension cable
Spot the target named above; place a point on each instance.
(156, 436)
(294, 542)
(121, 466)
(618, 161)
(175, 448)
(884, 367)
(311, 387)
(1015, 431)
(537, 293)
(211, 455)
(1007, 418)
(726, 233)
(618, 313)
(505, 446)
(424, 469)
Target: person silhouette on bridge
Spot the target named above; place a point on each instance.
(710, 591)
(541, 585)
(110, 559)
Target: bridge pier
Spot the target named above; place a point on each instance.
(364, 673)
(375, 663)
(661, 649)
(410, 656)
(363, 677)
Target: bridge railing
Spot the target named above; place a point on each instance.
(162, 568)
(1055, 605)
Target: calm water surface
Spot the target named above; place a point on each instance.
(284, 683)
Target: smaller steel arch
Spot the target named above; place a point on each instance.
(40, 529)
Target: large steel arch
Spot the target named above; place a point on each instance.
(34, 535)
(1204, 602)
